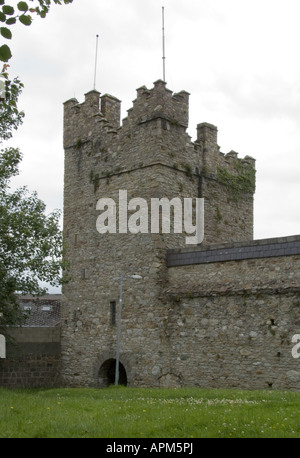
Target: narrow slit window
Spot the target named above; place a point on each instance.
(113, 313)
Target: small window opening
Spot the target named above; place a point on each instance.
(113, 313)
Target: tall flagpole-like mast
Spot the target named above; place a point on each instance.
(163, 43)
(95, 72)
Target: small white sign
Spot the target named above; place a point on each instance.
(2, 347)
(2, 88)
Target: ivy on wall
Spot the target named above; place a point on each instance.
(239, 183)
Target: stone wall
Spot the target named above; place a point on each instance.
(215, 315)
(233, 311)
(32, 358)
(150, 156)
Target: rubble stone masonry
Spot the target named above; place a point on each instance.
(242, 302)
(195, 318)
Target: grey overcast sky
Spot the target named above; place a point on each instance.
(239, 60)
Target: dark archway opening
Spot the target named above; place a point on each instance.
(107, 373)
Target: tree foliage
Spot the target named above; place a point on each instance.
(10, 15)
(30, 240)
(10, 116)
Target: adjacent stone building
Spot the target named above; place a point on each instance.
(33, 350)
(219, 314)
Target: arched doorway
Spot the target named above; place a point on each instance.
(107, 372)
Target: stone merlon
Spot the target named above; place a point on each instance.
(160, 102)
(150, 104)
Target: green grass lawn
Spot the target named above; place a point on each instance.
(119, 412)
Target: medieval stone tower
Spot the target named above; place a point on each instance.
(149, 156)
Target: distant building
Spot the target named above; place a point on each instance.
(33, 350)
(42, 312)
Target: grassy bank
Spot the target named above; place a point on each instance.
(119, 412)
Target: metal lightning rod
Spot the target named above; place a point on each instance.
(163, 43)
(97, 36)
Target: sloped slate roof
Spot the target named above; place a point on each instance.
(42, 311)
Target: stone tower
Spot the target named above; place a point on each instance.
(149, 156)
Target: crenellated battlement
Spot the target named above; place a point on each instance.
(87, 119)
(82, 121)
(157, 109)
(153, 143)
(193, 315)
(115, 175)
(159, 102)
(213, 160)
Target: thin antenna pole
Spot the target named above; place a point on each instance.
(97, 36)
(163, 43)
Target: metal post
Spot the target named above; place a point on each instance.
(97, 36)
(163, 44)
(119, 331)
(119, 326)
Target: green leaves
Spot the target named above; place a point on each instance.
(22, 6)
(5, 32)
(10, 116)
(10, 15)
(11, 21)
(26, 20)
(9, 10)
(5, 53)
(7, 16)
(31, 241)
